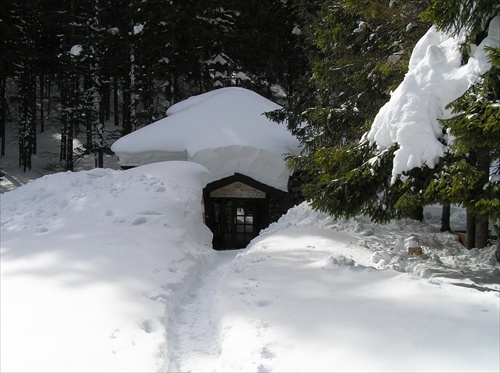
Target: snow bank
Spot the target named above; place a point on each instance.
(385, 246)
(94, 262)
(434, 79)
(218, 129)
(312, 294)
(113, 271)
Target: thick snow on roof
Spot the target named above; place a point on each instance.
(224, 130)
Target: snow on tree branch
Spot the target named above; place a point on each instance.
(435, 78)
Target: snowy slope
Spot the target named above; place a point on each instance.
(313, 294)
(106, 271)
(113, 271)
(92, 263)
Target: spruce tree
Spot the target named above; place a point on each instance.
(26, 18)
(358, 54)
(8, 37)
(472, 177)
(477, 133)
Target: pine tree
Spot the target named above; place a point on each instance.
(474, 133)
(265, 45)
(472, 177)
(134, 58)
(47, 44)
(471, 17)
(8, 36)
(359, 53)
(27, 22)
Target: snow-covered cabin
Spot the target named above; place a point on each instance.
(226, 131)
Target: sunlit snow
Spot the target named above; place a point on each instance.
(107, 271)
(113, 271)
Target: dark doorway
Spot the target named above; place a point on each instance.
(237, 221)
(237, 208)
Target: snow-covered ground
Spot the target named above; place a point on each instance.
(108, 270)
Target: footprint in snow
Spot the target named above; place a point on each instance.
(150, 212)
(114, 334)
(140, 220)
(265, 303)
(146, 326)
(266, 353)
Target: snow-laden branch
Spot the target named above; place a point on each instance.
(435, 78)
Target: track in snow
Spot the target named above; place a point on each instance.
(194, 343)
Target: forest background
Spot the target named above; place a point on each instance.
(104, 68)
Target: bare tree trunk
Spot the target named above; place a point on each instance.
(3, 111)
(417, 213)
(115, 101)
(27, 115)
(483, 164)
(42, 102)
(126, 106)
(48, 84)
(482, 231)
(471, 230)
(445, 218)
(100, 158)
(497, 230)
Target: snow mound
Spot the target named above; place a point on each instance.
(385, 246)
(113, 271)
(93, 264)
(315, 294)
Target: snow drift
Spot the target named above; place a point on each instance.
(113, 271)
(92, 263)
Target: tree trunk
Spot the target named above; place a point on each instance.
(417, 213)
(107, 99)
(483, 165)
(497, 230)
(32, 99)
(100, 158)
(482, 231)
(102, 101)
(64, 116)
(126, 107)
(27, 115)
(48, 94)
(42, 102)
(445, 218)
(69, 146)
(3, 111)
(115, 101)
(471, 230)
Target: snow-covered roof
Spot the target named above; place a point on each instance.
(225, 130)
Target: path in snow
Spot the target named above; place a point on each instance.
(194, 343)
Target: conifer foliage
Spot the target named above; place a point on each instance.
(104, 68)
(344, 174)
(359, 51)
(471, 174)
